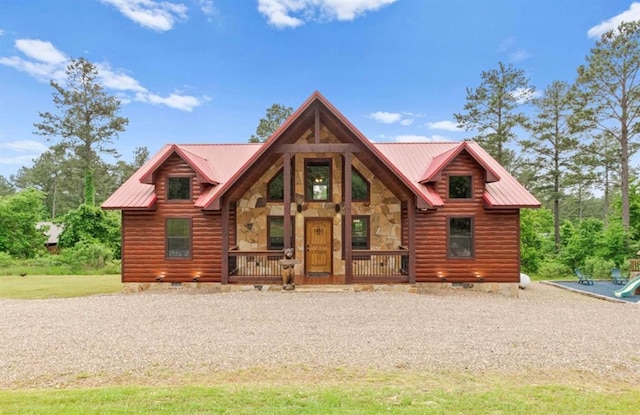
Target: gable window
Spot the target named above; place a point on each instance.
(178, 233)
(317, 180)
(275, 187)
(179, 188)
(459, 187)
(460, 242)
(275, 233)
(359, 187)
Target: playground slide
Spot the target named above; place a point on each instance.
(629, 289)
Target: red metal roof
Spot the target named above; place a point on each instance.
(227, 159)
(415, 164)
(411, 159)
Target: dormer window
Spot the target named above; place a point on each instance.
(460, 187)
(179, 188)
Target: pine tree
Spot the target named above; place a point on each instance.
(554, 141)
(492, 110)
(87, 121)
(609, 80)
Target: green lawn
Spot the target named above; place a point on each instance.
(57, 286)
(326, 398)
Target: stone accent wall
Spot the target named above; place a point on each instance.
(383, 208)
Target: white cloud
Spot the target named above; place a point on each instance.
(386, 117)
(152, 14)
(207, 7)
(518, 55)
(48, 63)
(507, 44)
(1, 32)
(406, 122)
(514, 53)
(174, 100)
(633, 13)
(279, 12)
(25, 151)
(23, 146)
(41, 51)
(119, 81)
(524, 95)
(412, 138)
(444, 125)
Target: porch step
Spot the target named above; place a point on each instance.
(327, 288)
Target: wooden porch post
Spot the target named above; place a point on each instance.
(287, 199)
(225, 241)
(411, 216)
(348, 261)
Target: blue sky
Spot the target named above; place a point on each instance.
(204, 71)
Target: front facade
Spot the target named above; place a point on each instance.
(351, 210)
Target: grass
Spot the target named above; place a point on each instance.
(339, 392)
(57, 286)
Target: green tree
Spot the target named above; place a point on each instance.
(582, 241)
(554, 141)
(492, 110)
(579, 178)
(87, 120)
(91, 224)
(610, 81)
(123, 170)
(275, 116)
(536, 228)
(6, 188)
(19, 214)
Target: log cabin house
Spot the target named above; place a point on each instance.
(354, 211)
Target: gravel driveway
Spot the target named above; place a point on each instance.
(58, 341)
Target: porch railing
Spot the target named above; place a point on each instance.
(254, 263)
(380, 263)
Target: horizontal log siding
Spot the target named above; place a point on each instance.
(496, 235)
(143, 257)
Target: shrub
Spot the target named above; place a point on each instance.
(5, 259)
(598, 267)
(87, 255)
(553, 270)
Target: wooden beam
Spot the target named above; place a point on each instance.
(287, 199)
(316, 126)
(411, 216)
(348, 237)
(225, 242)
(316, 148)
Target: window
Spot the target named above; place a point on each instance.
(359, 187)
(179, 188)
(275, 187)
(360, 232)
(461, 237)
(459, 187)
(359, 236)
(178, 233)
(317, 180)
(275, 233)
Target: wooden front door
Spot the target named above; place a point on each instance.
(318, 242)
